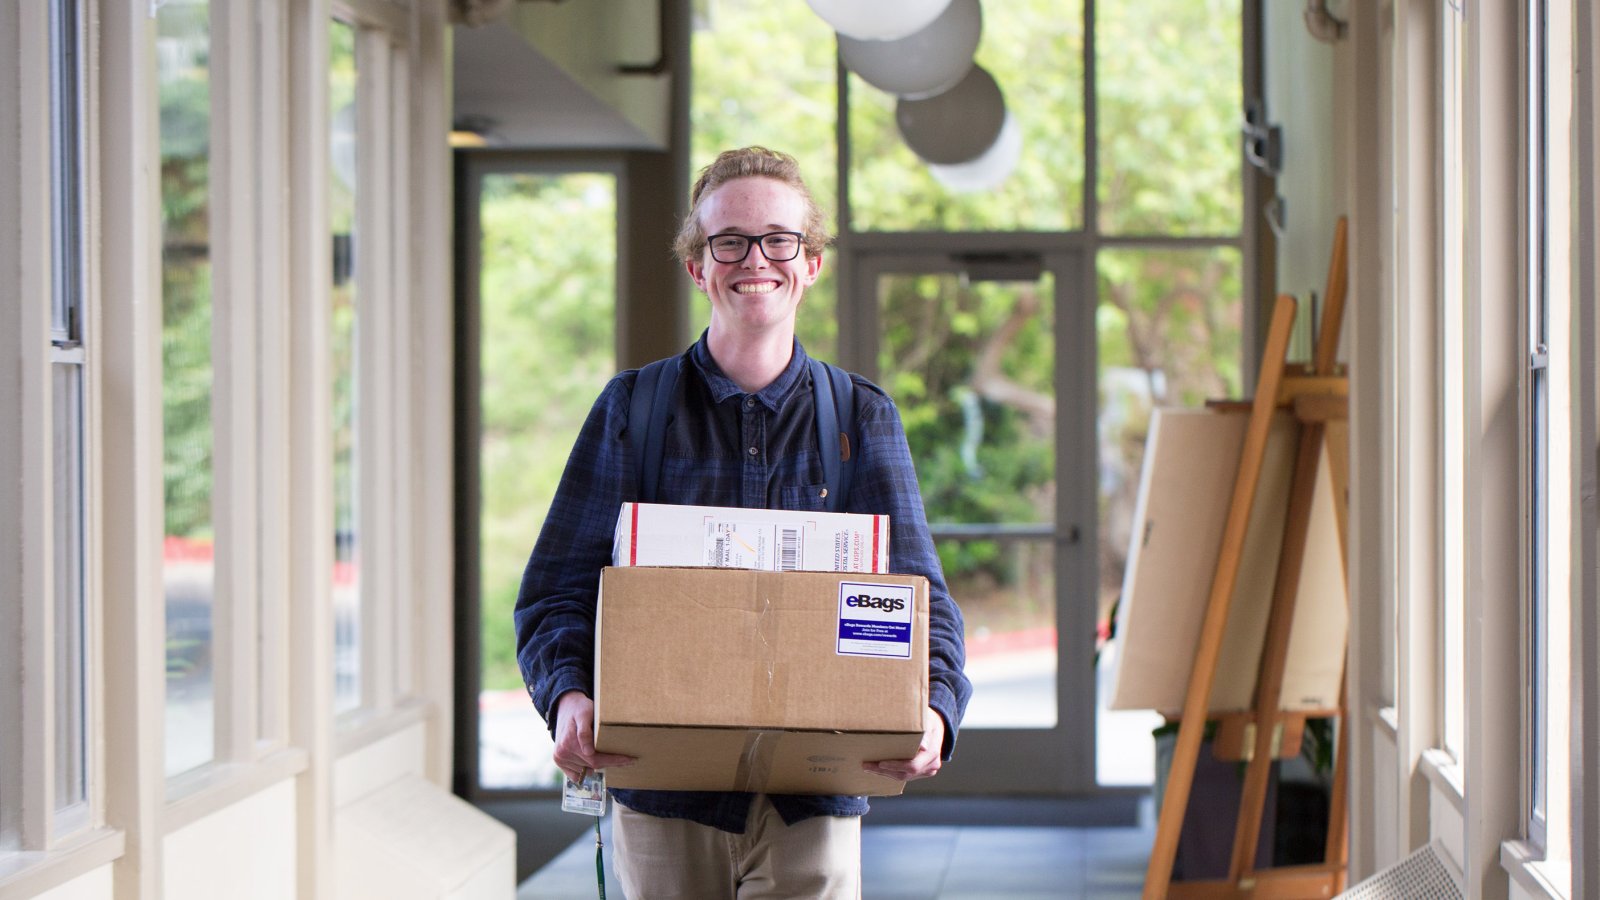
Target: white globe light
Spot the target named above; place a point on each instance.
(989, 170)
(956, 126)
(924, 63)
(879, 20)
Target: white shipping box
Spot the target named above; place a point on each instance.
(655, 534)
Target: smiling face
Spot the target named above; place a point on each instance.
(755, 296)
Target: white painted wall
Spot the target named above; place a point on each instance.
(410, 840)
(95, 885)
(244, 851)
(361, 771)
(400, 836)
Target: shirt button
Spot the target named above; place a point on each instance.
(754, 451)
(749, 403)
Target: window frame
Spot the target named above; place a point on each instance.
(1541, 863)
(1413, 427)
(68, 307)
(43, 844)
(1452, 399)
(472, 168)
(1584, 542)
(271, 724)
(1537, 410)
(251, 747)
(226, 541)
(386, 303)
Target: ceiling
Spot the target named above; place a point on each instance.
(516, 97)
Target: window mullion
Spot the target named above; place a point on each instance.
(233, 202)
(407, 572)
(377, 449)
(273, 447)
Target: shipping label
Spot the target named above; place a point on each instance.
(875, 619)
(753, 545)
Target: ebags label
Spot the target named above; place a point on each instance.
(875, 619)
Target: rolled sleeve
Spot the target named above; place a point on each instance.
(886, 483)
(555, 611)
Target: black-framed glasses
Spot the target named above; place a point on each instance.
(777, 246)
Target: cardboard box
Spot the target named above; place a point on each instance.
(654, 534)
(742, 680)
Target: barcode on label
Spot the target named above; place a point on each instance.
(719, 552)
(788, 549)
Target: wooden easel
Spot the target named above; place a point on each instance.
(1318, 396)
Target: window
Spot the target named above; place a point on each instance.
(343, 219)
(546, 318)
(738, 99)
(183, 51)
(1168, 110)
(47, 774)
(891, 189)
(371, 372)
(1538, 437)
(67, 402)
(1452, 516)
(1548, 482)
(152, 146)
(1154, 225)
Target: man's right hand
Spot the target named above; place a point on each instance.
(575, 753)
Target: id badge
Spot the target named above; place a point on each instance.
(588, 797)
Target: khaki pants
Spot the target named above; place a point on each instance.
(664, 859)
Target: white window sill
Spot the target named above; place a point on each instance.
(1444, 773)
(363, 727)
(29, 874)
(195, 795)
(1387, 718)
(1544, 879)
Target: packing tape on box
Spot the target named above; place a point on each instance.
(772, 685)
(755, 761)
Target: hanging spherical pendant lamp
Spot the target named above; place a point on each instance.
(878, 20)
(990, 169)
(924, 63)
(956, 126)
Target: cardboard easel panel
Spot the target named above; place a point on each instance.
(1314, 669)
(1184, 491)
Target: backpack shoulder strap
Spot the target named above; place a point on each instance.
(836, 407)
(649, 410)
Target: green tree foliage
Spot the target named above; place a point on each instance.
(971, 366)
(1034, 51)
(764, 75)
(547, 349)
(344, 298)
(185, 116)
(1169, 108)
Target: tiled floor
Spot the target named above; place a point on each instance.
(941, 862)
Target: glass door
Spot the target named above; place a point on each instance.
(991, 363)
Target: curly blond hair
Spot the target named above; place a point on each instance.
(749, 162)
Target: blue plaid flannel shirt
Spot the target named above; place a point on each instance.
(723, 448)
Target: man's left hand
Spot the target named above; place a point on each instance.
(926, 763)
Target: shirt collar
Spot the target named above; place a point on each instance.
(722, 387)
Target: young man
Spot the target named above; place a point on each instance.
(743, 434)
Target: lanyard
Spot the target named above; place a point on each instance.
(599, 860)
